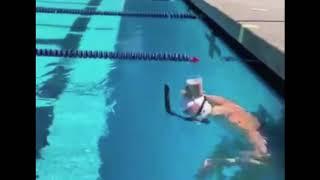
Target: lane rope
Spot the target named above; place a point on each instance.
(175, 57)
(167, 15)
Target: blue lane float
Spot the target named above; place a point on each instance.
(115, 13)
(117, 55)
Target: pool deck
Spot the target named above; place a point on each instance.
(257, 24)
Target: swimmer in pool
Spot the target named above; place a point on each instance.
(235, 115)
(241, 119)
(195, 100)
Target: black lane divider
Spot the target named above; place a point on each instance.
(117, 55)
(115, 13)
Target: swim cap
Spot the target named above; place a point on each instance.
(194, 105)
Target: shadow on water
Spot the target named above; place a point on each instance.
(62, 2)
(213, 48)
(215, 54)
(42, 114)
(94, 3)
(49, 41)
(55, 85)
(67, 27)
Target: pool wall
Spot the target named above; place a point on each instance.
(267, 53)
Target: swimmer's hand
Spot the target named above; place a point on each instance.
(203, 121)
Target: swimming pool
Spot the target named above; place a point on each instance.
(101, 119)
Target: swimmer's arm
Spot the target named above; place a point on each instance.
(218, 110)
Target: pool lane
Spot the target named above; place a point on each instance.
(73, 91)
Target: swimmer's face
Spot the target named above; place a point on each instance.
(192, 109)
(194, 106)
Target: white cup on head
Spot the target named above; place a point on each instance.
(195, 98)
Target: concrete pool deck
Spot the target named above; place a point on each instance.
(257, 25)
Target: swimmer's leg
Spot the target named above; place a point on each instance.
(260, 118)
(262, 124)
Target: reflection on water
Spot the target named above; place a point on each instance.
(54, 86)
(214, 51)
(44, 116)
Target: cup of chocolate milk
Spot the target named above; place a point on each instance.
(194, 86)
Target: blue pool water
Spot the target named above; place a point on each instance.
(101, 119)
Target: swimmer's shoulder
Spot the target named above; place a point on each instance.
(218, 100)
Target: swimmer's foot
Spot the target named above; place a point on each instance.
(231, 160)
